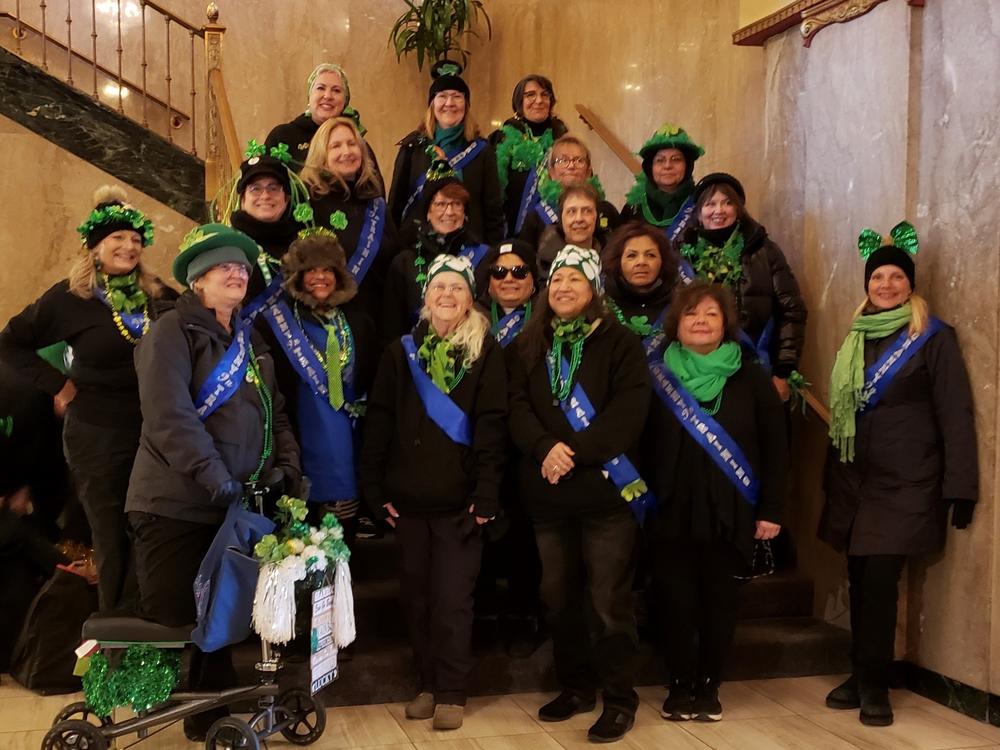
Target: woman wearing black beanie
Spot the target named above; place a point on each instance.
(448, 130)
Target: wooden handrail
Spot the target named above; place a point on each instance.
(610, 139)
(225, 118)
(110, 74)
(176, 19)
(816, 405)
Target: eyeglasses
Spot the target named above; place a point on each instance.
(441, 287)
(519, 272)
(665, 159)
(443, 206)
(271, 188)
(543, 95)
(571, 161)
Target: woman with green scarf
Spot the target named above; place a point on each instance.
(448, 131)
(433, 458)
(663, 190)
(584, 515)
(903, 451)
(101, 311)
(717, 454)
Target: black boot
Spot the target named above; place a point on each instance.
(876, 711)
(611, 726)
(679, 703)
(845, 695)
(706, 705)
(565, 705)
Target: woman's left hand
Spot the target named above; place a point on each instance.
(767, 530)
(781, 386)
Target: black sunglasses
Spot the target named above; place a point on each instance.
(500, 272)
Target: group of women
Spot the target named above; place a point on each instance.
(493, 340)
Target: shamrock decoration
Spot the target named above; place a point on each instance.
(254, 149)
(448, 69)
(281, 153)
(668, 129)
(118, 213)
(338, 220)
(634, 490)
(303, 213)
(640, 324)
(903, 236)
(193, 237)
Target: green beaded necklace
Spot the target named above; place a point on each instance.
(571, 333)
(254, 376)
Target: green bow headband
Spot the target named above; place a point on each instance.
(903, 236)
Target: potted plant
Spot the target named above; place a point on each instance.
(433, 28)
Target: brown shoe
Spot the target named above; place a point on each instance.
(421, 707)
(448, 716)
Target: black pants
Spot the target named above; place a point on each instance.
(699, 599)
(588, 566)
(874, 591)
(513, 556)
(100, 461)
(168, 553)
(439, 561)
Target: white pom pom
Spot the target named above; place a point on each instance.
(109, 194)
(344, 630)
(274, 603)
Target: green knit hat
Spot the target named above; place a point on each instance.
(203, 242)
(584, 260)
(670, 136)
(457, 264)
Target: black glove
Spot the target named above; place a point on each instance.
(227, 493)
(961, 512)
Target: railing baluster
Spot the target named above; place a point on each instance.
(145, 120)
(121, 107)
(194, 144)
(45, 61)
(93, 41)
(69, 42)
(170, 118)
(18, 34)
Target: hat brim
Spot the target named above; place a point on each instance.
(234, 239)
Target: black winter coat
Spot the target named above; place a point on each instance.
(273, 237)
(613, 374)
(371, 291)
(484, 216)
(534, 227)
(915, 450)
(635, 304)
(297, 135)
(409, 461)
(695, 499)
(181, 459)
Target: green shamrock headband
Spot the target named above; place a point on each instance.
(903, 236)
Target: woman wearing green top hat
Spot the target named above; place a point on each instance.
(579, 392)
(212, 419)
(663, 191)
(717, 454)
(448, 131)
(102, 310)
(433, 458)
(903, 451)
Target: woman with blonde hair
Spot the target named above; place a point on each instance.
(449, 131)
(346, 194)
(434, 453)
(903, 450)
(101, 311)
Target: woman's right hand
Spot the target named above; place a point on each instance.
(558, 462)
(62, 399)
(393, 514)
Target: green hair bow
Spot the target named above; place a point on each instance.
(903, 236)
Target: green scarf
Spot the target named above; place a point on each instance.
(704, 375)
(450, 139)
(847, 380)
(645, 196)
(569, 333)
(441, 361)
(124, 292)
(722, 265)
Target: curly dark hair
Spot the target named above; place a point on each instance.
(612, 255)
(688, 297)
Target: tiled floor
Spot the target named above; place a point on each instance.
(786, 714)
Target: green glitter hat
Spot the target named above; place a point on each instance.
(671, 136)
(111, 213)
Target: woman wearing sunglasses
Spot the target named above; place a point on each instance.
(512, 285)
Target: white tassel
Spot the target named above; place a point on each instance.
(343, 606)
(274, 601)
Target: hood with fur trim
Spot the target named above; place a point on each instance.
(317, 252)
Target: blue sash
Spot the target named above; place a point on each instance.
(706, 432)
(529, 197)
(881, 373)
(265, 299)
(760, 351)
(579, 413)
(134, 323)
(507, 328)
(225, 379)
(369, 241)
(675, 230)
(548, 214)
(444, 412)
(457, 162)
(475, 253)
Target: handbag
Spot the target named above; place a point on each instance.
(762, 563)
(227, 579)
